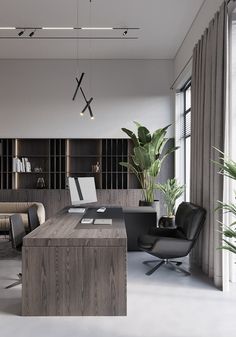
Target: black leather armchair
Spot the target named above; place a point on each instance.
(167, 244)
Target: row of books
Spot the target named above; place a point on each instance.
(21, 165)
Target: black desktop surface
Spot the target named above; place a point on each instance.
(110, 213)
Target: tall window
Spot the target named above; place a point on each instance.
(186, 134)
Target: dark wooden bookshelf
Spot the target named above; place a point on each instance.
(58, 159)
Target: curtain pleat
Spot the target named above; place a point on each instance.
(207, 131)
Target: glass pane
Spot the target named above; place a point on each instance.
(187, 167)
(188, 98)
(187, 131)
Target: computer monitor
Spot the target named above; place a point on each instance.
(82, 190)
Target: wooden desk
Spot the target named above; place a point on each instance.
(74, 269)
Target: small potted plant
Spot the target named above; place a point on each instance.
(171, 191)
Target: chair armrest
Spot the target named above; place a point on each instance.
(167, 232)
(170, 247)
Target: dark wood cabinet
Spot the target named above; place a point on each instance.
(52, 161)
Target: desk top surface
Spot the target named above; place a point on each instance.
(65, 229)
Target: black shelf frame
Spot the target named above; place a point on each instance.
(61, 158)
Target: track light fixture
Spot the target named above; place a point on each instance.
(77, 28)
(21, 32)
(32, 33)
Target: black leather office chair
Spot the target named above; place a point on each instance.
(17, 232)
(168, 244)
(33, 218)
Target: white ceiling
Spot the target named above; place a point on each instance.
(163, 26)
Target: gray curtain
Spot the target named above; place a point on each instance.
(207, 131)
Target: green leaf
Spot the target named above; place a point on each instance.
(171, 191)
(142, 158)
(158, 140)
(144, 135)
(230, 245)
(137, 124)
(155, 168)
(132, 135)
(150, 149)
(130, 167)
(169, 151)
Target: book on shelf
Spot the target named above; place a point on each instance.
(28, 166)
(21, 165)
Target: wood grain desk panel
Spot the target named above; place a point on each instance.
(69, 271)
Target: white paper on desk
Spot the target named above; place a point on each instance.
(103, 222)
(76, 210)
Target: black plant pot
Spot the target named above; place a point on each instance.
(155, 204)
(167, 222)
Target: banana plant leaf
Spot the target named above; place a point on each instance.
(142, 158)
(168, 152)
(144, 135)
(130, 167)
(158, 139)
(132, 135)
(155, 168)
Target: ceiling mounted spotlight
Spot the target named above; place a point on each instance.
(21, 32)
(125, 32)
(32, 33)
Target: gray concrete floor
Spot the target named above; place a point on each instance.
(166, 304)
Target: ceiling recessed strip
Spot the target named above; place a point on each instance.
(7, 28)
(71, 28)
(58, 28)
(96, 28)
(68, 38)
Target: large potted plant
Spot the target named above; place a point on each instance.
(228, 169)
(147, 158)
(171, 191)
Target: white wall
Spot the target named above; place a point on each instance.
(209, 8)
(36, 97)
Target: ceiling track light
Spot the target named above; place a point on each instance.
(69, 38)
(32, 33)
(21, 32)
(32, 30)
(69, 28)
